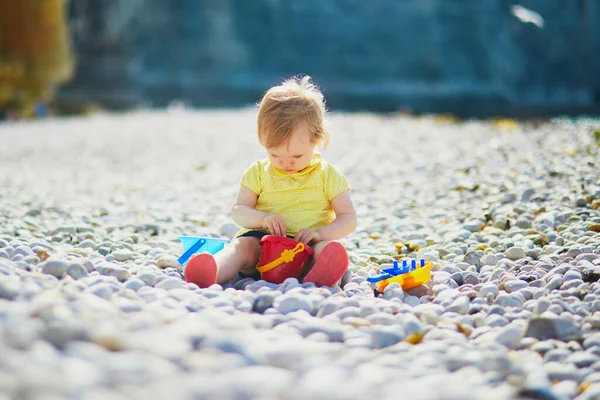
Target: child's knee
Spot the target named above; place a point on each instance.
(248, 249)
(318, 247)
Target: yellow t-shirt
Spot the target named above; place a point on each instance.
(303, 198)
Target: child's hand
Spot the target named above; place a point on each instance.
(306, 236)
(275, 225)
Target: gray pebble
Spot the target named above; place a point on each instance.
(149, 278)
(542, 305)
(495, 320)
(57, 268)
(460, 305)
(103, 290)
(134, 284)
(554, 282)
(582, 359)
(263, 301)
(289, 303)
(385, 336)
(561, 372)
(9, 287)
(114, 270)
(558, 355)
(553, 328)
(170, 283)
(515, 253)
(508, 300)
(489, 289)
(76, 271)
(168, 261)
(393, 291)
(514, 285)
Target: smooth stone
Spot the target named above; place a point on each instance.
(289, 284)
(117, 271)
(290, 303)
(566, 389)
(571, 284)
(393, 291)
(134, 284)
(558, 371)
(582, 359)
(456, 358)
(559, 355)
(470, 278)
(149, 278)
(508, 300)
(9, 287)
(553, 328)
(515, 253)
(87, 244)
(23, 251)
(554, 282)
(263, 301)
(489, 289)
(473, 225)
(168, 261)
(170, 283)
(514, 285)
(103, 290)
(489, 259)
(412, 325)
(412, 301)
(57, 268)
(381, 318)
(122, 255)
(572, 274)
(472, 258)
(77, 271)
(527, 195)
(460, 305)
(510, 336)
(61, 331)
(495, 320)
(542, 305)
(384, 336)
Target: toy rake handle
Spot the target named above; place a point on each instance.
(286, 256)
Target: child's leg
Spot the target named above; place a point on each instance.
(205, 269)
(330, 263)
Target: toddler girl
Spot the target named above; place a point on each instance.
(293, 192)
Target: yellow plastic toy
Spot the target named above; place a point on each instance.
(407, 277)
(282, 258)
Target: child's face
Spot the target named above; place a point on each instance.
(296, 154)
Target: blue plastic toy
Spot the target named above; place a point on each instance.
(194, 245)
(408, 276)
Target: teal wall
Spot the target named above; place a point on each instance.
(469, 57)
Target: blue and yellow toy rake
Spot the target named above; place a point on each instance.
(407, 276)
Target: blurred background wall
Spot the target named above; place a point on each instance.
(467, 57)
(35, 52)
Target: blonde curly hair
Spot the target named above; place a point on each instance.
(296, 100)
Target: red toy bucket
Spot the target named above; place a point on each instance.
(282, 258)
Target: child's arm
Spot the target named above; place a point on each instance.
(345, 218)
(244, 214)
(343, 224)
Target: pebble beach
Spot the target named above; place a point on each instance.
(93, 305)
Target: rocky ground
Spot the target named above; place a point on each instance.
(92, 304)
